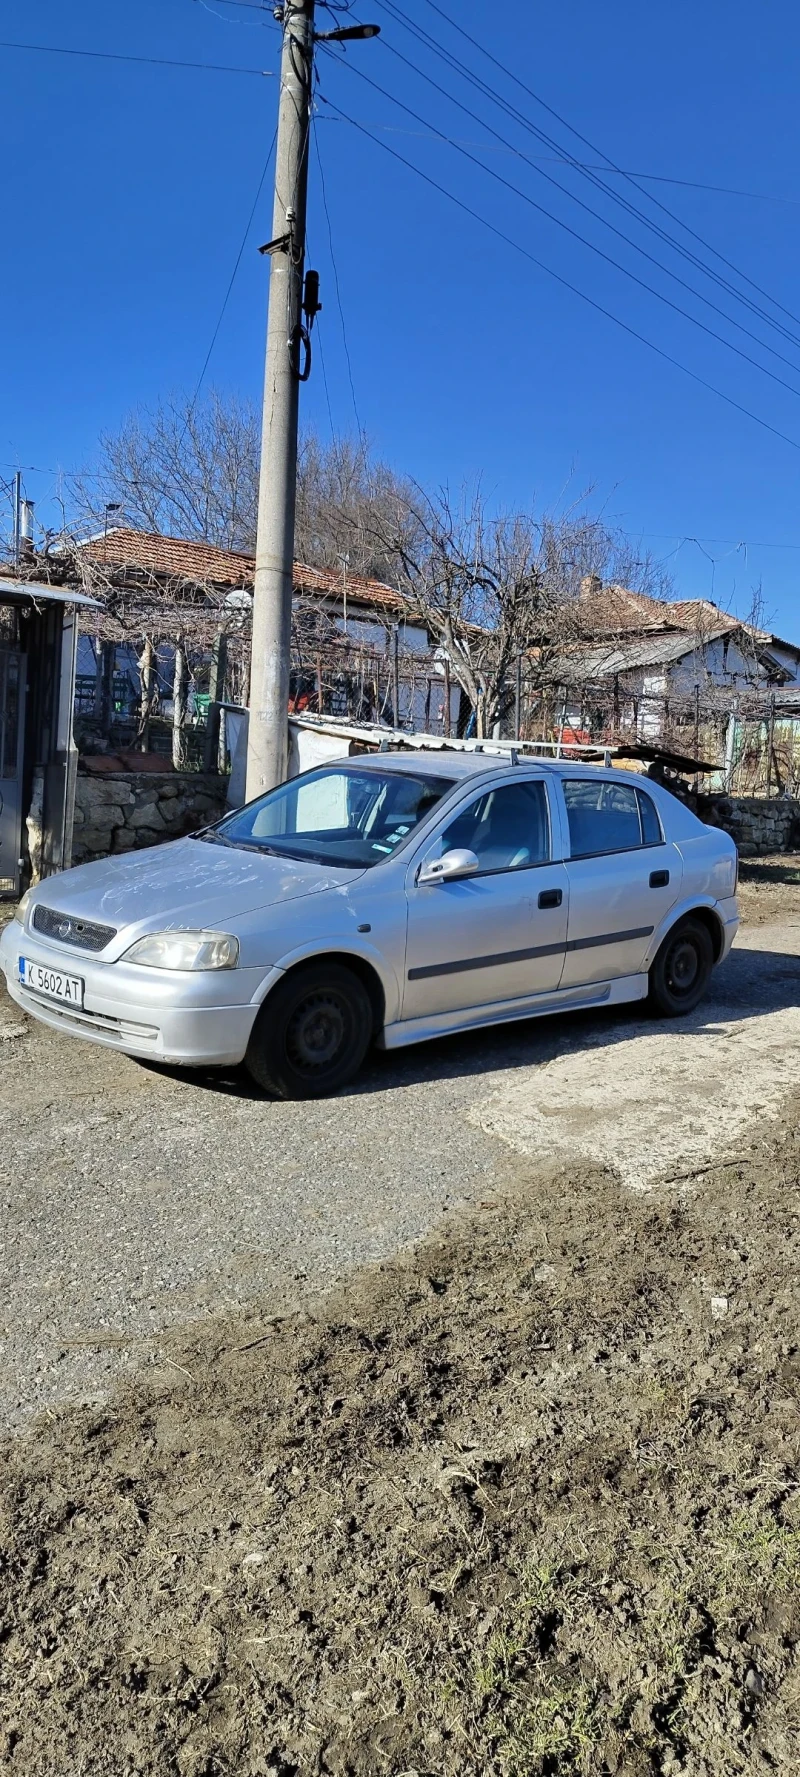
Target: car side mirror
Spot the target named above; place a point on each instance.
(459, 862)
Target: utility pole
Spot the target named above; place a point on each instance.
(287, 341)
(272, 597)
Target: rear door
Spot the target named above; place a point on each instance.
(498, 935)
(623, 878)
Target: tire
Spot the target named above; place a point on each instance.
(682, 969)
(311, 1034)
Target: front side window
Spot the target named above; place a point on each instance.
(507, 828)
(606, 817)
(338, 816)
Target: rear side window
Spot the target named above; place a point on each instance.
(606, 817)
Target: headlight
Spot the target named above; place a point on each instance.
(185, 950)
(21, 910)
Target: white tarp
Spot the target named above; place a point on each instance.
(307, 747)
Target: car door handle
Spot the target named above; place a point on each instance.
(550, 898)
(659, 878)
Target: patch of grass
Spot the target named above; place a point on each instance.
(752, 1556)
(558, 1729)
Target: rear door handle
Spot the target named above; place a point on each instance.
(659, 878)
(550, 898)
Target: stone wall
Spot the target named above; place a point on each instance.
(122, 811)
(759, 824)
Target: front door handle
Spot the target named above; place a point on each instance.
(659, 878)
(550, 898)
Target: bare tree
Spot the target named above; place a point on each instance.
(349, 506)
(191, 470)
(181, 469)
(496, 591)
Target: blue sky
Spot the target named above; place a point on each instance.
(132, 186)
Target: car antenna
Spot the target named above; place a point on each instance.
(514, 755)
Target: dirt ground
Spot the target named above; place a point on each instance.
(769, 889)
(523, 1500)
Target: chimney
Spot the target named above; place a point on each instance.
(590, 585)
(26, 528)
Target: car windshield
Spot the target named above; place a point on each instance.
(336, 815)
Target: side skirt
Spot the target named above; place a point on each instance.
(571, 999)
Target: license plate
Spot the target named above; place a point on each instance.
(68, 989)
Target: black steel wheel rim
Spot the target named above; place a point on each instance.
(317, 1033)
(683, 967)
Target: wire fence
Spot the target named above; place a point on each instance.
(746, 734)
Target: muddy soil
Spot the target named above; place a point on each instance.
(523, 1502)
(769, 889)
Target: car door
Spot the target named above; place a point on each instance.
(499, 934)
(623, 878)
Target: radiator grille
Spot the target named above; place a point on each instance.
(66, 928)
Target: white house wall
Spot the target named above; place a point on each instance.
(789, 658)
(722, 660)
(412, 639)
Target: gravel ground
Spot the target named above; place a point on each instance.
(134, 1200)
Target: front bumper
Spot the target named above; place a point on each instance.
(193, 1020)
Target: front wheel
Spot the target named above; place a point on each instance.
(682, 969)
(311, 1034)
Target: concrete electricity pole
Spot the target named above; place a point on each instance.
(272, 598)
(287, 345)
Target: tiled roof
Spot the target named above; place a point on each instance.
(204, 563)
(702, 615)
(615, 608)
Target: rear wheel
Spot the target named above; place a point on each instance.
(311, 1034)
(682, 969)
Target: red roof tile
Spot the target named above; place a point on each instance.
(204, 563)
(615, 608)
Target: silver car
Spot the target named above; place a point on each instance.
(389, 898)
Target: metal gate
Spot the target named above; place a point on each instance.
(12, 727)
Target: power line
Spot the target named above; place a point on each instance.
(325, 379)
(336, 284)
(659, 263)
(232, 280)
(565, 282)
(107, 55)
(595, 150)
(442, 53)
(584, 240)
(734, 542)
(567, 160)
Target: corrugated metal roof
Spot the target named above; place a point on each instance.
(601, 662)
(19, 591)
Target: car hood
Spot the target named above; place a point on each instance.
(185, 885)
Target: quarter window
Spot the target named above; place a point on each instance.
(507, 828)
(651, 825)
(607, 817)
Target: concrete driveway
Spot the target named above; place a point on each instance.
(133, 1199)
